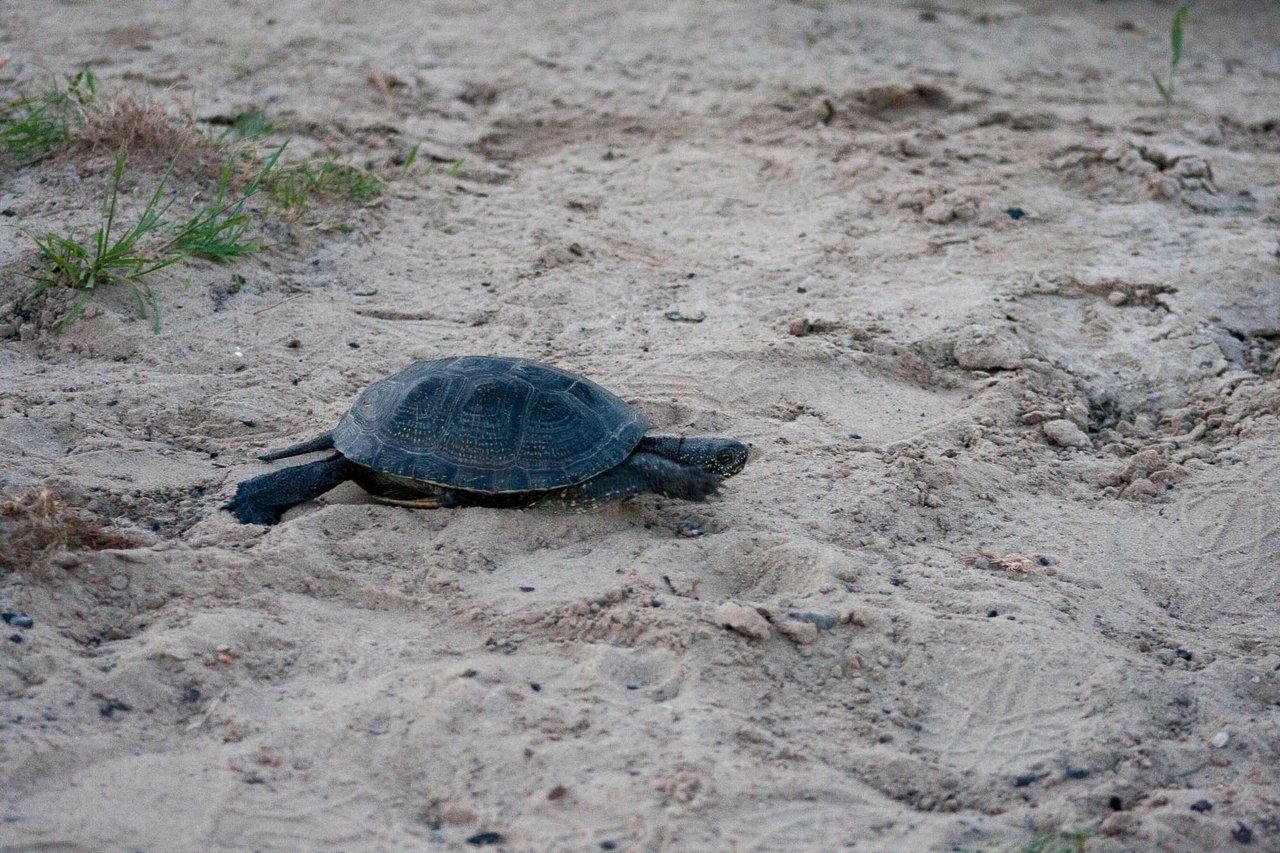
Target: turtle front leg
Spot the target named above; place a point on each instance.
(638, 474)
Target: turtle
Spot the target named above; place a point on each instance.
(491, 431)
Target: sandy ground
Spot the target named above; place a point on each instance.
(1002, 330)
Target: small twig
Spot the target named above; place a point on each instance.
(662, 93)
(204, 718)
(278, 304)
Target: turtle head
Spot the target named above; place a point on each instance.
(720, 457)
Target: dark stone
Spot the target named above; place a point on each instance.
(1202, 806)
(482, 838)
(822, 620)
(109, 709)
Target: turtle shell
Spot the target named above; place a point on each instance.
(489, 424)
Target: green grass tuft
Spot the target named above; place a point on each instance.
(108, 257)
(217, 231)
(293, 187)
(31, 127)
(248, 125)
(114, 257)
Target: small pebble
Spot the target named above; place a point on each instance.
(1064, 433)
(802, 633)
(608, 845)
(110, 708)
(15, 638)
(991, 614)
(1015, 213)
(1074, 772)
(1242, 833)
(980, 347)
(482, 838)
(1115, 803)
(1183, 653)
(18, 620)
(822, 620)
(688, 530)
(681, 317)
(535, 686)
(190, 693)
(742, 619)
(1219, 740)
(1202, 806)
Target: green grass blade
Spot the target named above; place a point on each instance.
(1164, 93)
(76, 308)
(1175, 35)
(408, 161)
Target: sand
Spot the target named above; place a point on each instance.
(1001, 328)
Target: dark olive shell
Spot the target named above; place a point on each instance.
(489, 424)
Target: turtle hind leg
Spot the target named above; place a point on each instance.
(263, 499)
(639, 473)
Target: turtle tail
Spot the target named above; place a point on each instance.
(320, 442)
(263, 499)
